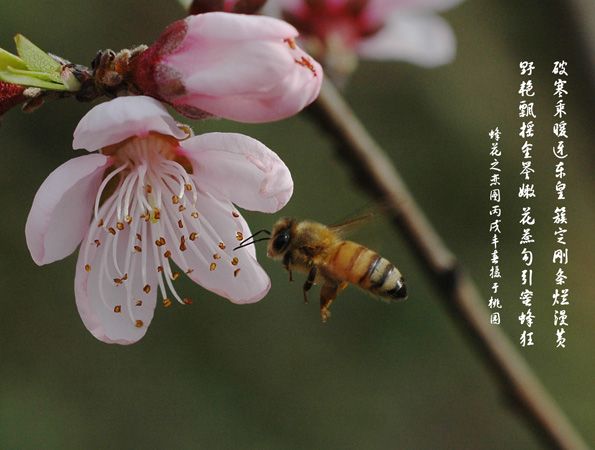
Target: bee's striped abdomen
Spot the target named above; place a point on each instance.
(367, 269)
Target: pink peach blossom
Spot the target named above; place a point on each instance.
(240, 67)
(157, 194)
(340, 31)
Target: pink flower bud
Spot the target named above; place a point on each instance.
(239, 67)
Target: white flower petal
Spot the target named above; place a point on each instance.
(259, 72)
(110, 310)
(61, 210)
(210, 256)
(240, 169)
(121, 118)
(425, 40)
(238, 27)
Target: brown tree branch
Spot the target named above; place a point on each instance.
(377, 174)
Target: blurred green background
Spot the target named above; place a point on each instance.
(270, 375)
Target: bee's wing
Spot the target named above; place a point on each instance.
(353, 223)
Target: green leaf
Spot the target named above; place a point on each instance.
(36, 59)
(9, 60)
(34, 68)
(38, 75)
(26, 80)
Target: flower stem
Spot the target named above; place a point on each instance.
(377, 175)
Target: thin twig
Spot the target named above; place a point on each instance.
(377, 174)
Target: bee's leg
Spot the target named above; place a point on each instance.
(309, 282)
(328, 293)
(287, 264)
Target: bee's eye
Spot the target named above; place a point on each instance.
(281, 241)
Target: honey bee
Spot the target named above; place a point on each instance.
(321, 253)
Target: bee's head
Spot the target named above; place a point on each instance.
(280, 237)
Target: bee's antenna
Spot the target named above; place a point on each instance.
(245, 242)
